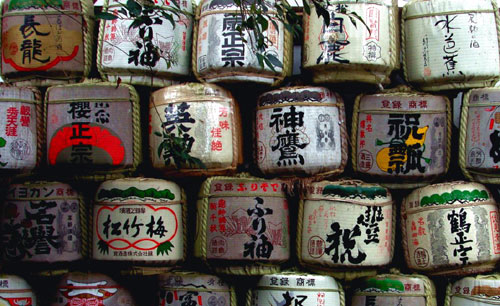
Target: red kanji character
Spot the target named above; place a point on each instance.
(222, 228)
(228, 187)
(213, 228)
(225, 125)
(222, 203)
(216, 132)
(223, 112)
(413, 104)
(241, 187)
(254, 187)
(216, 145)
(275, 187)
(213, 206)
(218, 187)
(60, 191)
(264, 186)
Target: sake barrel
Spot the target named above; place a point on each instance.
(480, 290)
(297, 288)
(181, 288)
(242, 225)
(450, 229)
(128, 53)
(361, 42)
(205, 120)
(479, 145)
(14, 291)
(21, 132)
(300, 131)
(44, 222)
(401, 138)
(393, 290)
(77, 288)
(93, 129)
(446, 43)
(46, 43)
(139, 220)
(221, 54)
(345, 227)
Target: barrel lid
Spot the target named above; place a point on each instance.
(138, 189)
(41, 190)
(107, 91)
(486, 286)
(394, 102)
(220, 186)
(189, 92)
(10, 282)
(484, 96)
(297, 281)
(449, 193)
(185, 281)
(421, 8)
(10, 93)
(351, 191)
(298, 94)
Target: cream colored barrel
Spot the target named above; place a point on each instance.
(44, 222)
(393, 290)
(94, 129)
(21, 129)
(345, 228)
(228, 209)
(222, 55)
(300, 131)
(401, 138)
(450, 44)
(123, 55)
(479, 151)
(301, 288)
(451, 229)
(361, 43)
(206, 118)
(77, 288)
(139, 221)
(179, 287)
(46, 43)
(16, 291)
(480, 290)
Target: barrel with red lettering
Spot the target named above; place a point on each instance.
(451, 229)
(93, 129)
(479, 144)
(140, 221)
(46, 42)
(44, 222)
(479, 290)
(77, 288)
(15, 291)
(450, 44)
(345, 228)
(21, 128)
(361, 43)
(229, 208)
(300, 131)
(195, 129)
(180, 288)
(401, 138)
(305, 289)
(157, 54)
(221, 54)
(394, 290)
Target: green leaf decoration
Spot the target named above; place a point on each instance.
(274, 60)
(461, 196)
(103, 247)
(3, 142)
(135, 192)
(164, 248)
(106, 16)
(3, 164)
(134, 7)
(355, 191)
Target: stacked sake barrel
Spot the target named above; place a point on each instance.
(169, 161)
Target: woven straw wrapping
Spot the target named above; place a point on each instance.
(160, 75)
(361, 67)
(437, 206)
(309, 102)
(429, 291)
(485, 172)
(43, 76)
(345, 270)
(235, 74)
(88, 173)
(482, 290)
(241, 266)
(403, 93)
(471, 70)
(133, 193)
(337, 288)
(198, 96)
